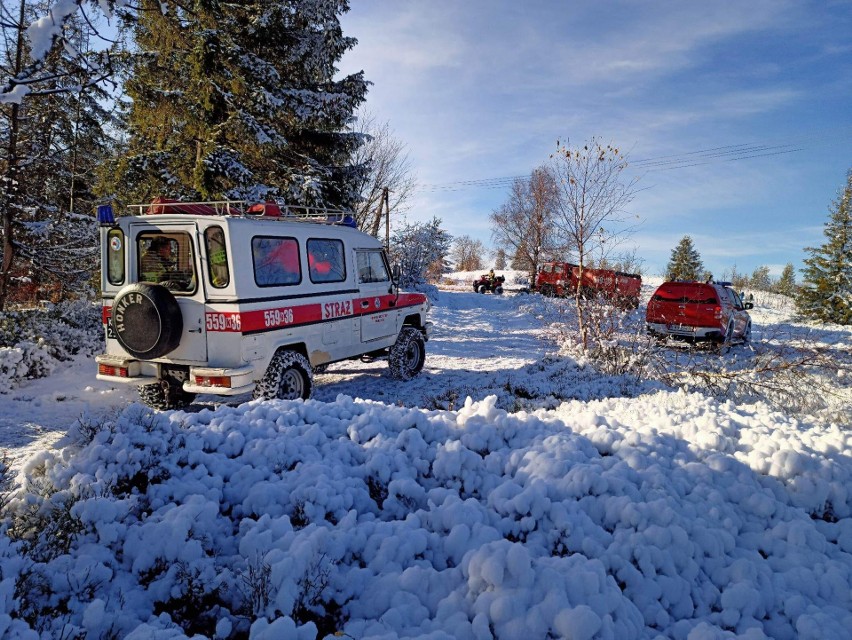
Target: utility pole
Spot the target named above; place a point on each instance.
(386, 202)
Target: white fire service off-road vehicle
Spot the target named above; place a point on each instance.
(226, 299)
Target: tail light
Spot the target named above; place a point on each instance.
(109, 370)
(213, 381)
(717, 312)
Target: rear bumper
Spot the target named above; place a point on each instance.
(136, 372)
(684, 331)
(240, 380)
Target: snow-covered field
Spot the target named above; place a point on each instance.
(504, 493)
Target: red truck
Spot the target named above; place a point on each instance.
(560, 279)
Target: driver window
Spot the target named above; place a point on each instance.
(372, 267)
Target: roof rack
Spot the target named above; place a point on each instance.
(242, 208)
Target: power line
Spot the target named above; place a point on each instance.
(727, 153)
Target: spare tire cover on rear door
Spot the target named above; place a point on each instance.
(147, 320)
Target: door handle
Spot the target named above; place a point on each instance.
(198, 330)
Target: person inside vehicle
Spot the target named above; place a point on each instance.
(491, 276)
(158, 264)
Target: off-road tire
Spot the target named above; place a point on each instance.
(407, 355)
(162, 396)
(288, 377)
(547, 291)
(498, 290)
(147, 320)
(481, 288)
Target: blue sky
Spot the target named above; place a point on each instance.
(482, 89)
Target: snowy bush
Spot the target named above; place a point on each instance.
(670, 515)
(32, 342)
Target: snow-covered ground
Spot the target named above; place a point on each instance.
(555, 502)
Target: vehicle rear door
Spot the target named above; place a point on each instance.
(375, 300)
(698, 306)
(190, 297)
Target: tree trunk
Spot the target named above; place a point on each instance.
(10, 180)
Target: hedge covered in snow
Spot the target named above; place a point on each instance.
(665, 516)
(32, 342)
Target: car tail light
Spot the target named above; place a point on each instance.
(109, 370)
(213, 381)
(717, 312)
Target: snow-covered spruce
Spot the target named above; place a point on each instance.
(665, 516)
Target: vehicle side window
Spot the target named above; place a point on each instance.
(115, 256)
(325, 260)
(372, 267)
(167, 259)
(276, 261)
(735, 298)
(557, 268)
(546, 268)
(217, 257)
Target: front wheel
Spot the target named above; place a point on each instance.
(747, 333)
(408, 354)
(498, 290)
(288, 377)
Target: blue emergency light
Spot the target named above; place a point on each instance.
(105, 215)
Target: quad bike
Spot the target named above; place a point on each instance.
(487, 284)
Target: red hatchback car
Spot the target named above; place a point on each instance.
(698, 310)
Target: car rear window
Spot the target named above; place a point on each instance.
(691, 295)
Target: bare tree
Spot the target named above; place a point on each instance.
(467, 253)
(590, 211)
(389, 183)
(525, 223)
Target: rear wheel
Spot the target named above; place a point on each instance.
(408, 354)
(288, 377)
(163, 396)
(481, 288)
(547, 291)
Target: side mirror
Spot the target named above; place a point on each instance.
(748, 305)
(396, 272)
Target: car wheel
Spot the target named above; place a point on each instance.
(728, 337)
(163, 396)
(747, 332)
(288, 377)
(547, 291)
(408, 354)
(481, 288)
(499, 291)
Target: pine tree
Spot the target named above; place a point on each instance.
(786, 284)
(239, 100)
(760, 279)
(52, 143)
(500, 259)
(685, 262)
(826, 291)
(420, 250)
